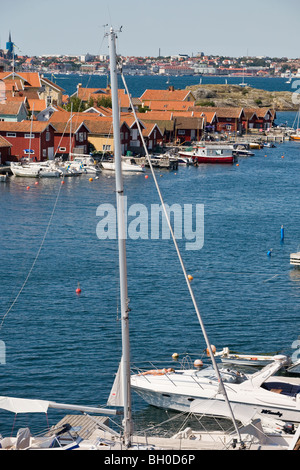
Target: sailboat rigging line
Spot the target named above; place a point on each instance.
(35, 259)
(222, 387)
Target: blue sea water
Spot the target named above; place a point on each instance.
(138, 84)
(66, 347)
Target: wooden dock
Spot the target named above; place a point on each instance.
(79, 425)
(5, 169)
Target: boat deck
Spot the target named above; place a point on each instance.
(295, 259)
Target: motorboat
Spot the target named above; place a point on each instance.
(184, 161)
(128, 165)
(242, 150)
(262, 391)
(252, 360)
(210, 154)
(84, 163)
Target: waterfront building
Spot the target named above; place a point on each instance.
(259, 118)
(188, 128)
(71, 137)
(29, 138)
(163, 119)
(5, 149)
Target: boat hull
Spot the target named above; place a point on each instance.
(209, 159)
(125, 167)
(183, 403)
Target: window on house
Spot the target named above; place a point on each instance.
(11, 134)
(48, 136)
(106, 148)
(62, 149)
(181, 132)
(29, 136)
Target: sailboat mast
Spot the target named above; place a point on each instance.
(121, 240)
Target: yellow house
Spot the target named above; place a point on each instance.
(51, 93)
(101, 134)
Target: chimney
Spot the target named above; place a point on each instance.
(171, 88)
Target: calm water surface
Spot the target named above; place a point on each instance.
(66, 348)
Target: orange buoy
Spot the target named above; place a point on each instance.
(237, 164)
(213, 349)
(28, 187)
(78, 290)
(62, 182)
(146, 177)
(282, 156)
(91, 179)
(190, 278)
(36, 183)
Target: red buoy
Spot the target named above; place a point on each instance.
(78, 290)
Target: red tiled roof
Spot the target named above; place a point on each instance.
(166, 95)
(24, 126)
(10, 108)
(4, 143)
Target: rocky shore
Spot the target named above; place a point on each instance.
(246, 97)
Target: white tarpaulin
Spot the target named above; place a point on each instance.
(22, 405)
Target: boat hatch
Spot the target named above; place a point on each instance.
(283, 388)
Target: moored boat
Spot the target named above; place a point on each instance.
(128, 165)
(210, 154)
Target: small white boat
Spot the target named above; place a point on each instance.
(295, 259)
(85, 163)
(254, 360)
(49, 173)
(184, 161)
(26, 170)
(128, 165)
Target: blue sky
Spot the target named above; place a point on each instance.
(231, 27)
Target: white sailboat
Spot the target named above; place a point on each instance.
(296, 134)
(243, 84)
(26, 170)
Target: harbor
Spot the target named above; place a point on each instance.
(256, 193)
(149, 287)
